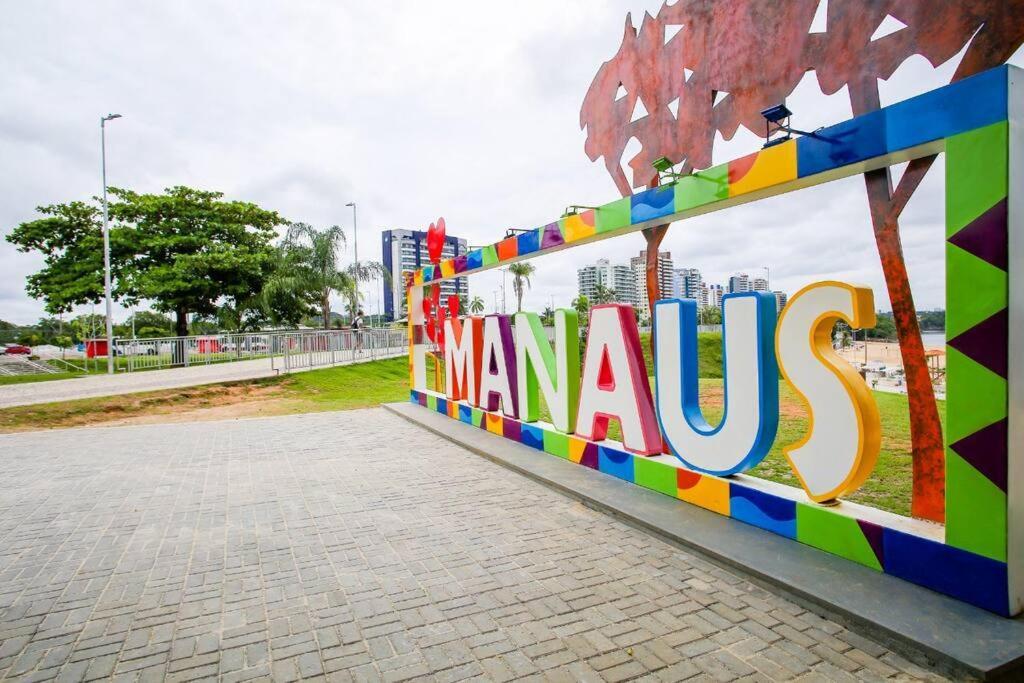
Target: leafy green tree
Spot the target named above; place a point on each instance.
(194, 249)
(88, 326)
(64, 342)
(70, 238)
(476, 305)
(521, 273)
(547, 318)
(710, 315)
(49, 328)
(152, 321)
(30, 338)
(582, 306)
(185, 250)
(885, 327)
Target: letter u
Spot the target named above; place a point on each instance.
(751, 416)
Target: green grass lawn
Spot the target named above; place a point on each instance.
(370, 384)
(41, 377)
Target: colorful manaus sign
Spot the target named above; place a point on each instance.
(501, 367)
(506, 363)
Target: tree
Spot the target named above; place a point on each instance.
(291, 294)
(582, 306)
(521, 273)
(476, 305)
(368, 271)
(547, 318)
(88, 326)
(603, 295)
(49, 328)
(711, 315)
(185, 250)
(152, 321)
(63, 342)
(312, 270)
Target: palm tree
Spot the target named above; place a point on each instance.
(521, 273)
(310, 264)
(476, 305)
(367, 272)
(603, 295)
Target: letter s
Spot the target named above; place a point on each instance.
(843, 435)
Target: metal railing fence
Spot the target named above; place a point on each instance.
(329, 347)
(133, 355)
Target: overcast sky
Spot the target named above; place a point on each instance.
(413, 110)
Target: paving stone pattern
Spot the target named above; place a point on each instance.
(356, 546)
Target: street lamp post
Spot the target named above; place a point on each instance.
(106, 242)
(355, 252)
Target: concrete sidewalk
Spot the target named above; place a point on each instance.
(357, 546)
(93, 386)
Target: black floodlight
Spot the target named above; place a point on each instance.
(779, 116)
(776, 113)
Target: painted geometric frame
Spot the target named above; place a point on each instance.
(978, 556)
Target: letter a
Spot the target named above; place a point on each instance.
(751, 417)
(557, 373)
(463, 350)
(614, 383)
(844, 432)
(498, 372)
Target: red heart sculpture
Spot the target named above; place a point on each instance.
(435, 240)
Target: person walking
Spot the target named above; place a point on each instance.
(357, 328)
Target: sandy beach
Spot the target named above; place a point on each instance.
(886, 352)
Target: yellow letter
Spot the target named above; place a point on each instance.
(844, 431)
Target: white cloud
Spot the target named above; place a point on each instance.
(413, 110)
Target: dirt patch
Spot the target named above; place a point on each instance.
(213, 402)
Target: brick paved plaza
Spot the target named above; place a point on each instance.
(357, 546)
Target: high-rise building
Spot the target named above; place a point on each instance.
(614, 277)
(759, 284)
(780, 300)
(405, 251)
(740, 282)
(666, 275)
(687, 284)
(702, 297)
(715, 294)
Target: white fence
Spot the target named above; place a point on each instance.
(329, 347)
(285, 349)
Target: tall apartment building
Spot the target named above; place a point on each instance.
(702, 296)
(759, 284)
(780, 300)
(404, 251)
(715, 294)
(687, 284)
(666, 275)
(740, 282)
(618, 278)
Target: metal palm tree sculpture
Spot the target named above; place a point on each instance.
(730, 59)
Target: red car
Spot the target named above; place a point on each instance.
(18, 349)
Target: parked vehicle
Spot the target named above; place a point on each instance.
(134, 348)
(17, 349)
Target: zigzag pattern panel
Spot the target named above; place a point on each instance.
(977, 341)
